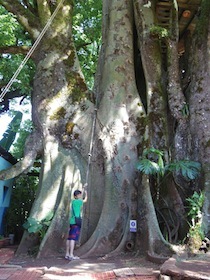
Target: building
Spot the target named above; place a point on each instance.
(6, 160)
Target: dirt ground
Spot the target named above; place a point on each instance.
(123, 260)
(193, 267)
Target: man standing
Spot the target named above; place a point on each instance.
(74, 230)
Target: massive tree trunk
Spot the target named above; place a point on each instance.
(137, 102)
(121, 132)
(62, 119)
(117, 133)
(199, 97)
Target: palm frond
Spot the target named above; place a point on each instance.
(189, 169)
(147, 166)
(152, 151)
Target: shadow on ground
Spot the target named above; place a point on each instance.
(125, 265)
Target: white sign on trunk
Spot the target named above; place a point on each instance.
(133, 225)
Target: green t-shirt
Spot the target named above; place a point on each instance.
(77, 206)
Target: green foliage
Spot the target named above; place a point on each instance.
(185, 110)
(23, 195)
(159, 31)
(9, 64)
(8, 26)
(32, 225)
(148, 166)
(195, 234)
(10, 134)
(18, 146)
(189, 169)
(12, 34)
(40, 227)
(87, 35)
(195, 237)
(152, 163)
(195, 206)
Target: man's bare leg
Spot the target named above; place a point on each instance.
(72, 245)
(67, 248)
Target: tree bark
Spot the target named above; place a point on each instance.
(117, 132)
(157, 116)
(60, 115)
(129, 118)
(199, 97)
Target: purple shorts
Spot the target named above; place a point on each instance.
(74, 232)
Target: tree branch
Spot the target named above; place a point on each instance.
(12, 94)
(25, 17)
(4, 103)
(33, 146)
(14, 49)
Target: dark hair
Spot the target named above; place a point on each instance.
(77, 192)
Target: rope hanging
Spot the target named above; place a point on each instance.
(6, 89)
(89, 160)
(91, 145)
(92, 136)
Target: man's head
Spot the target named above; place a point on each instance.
(77, 193)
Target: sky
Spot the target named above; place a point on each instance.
(5, 119)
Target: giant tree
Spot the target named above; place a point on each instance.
(138, 101)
